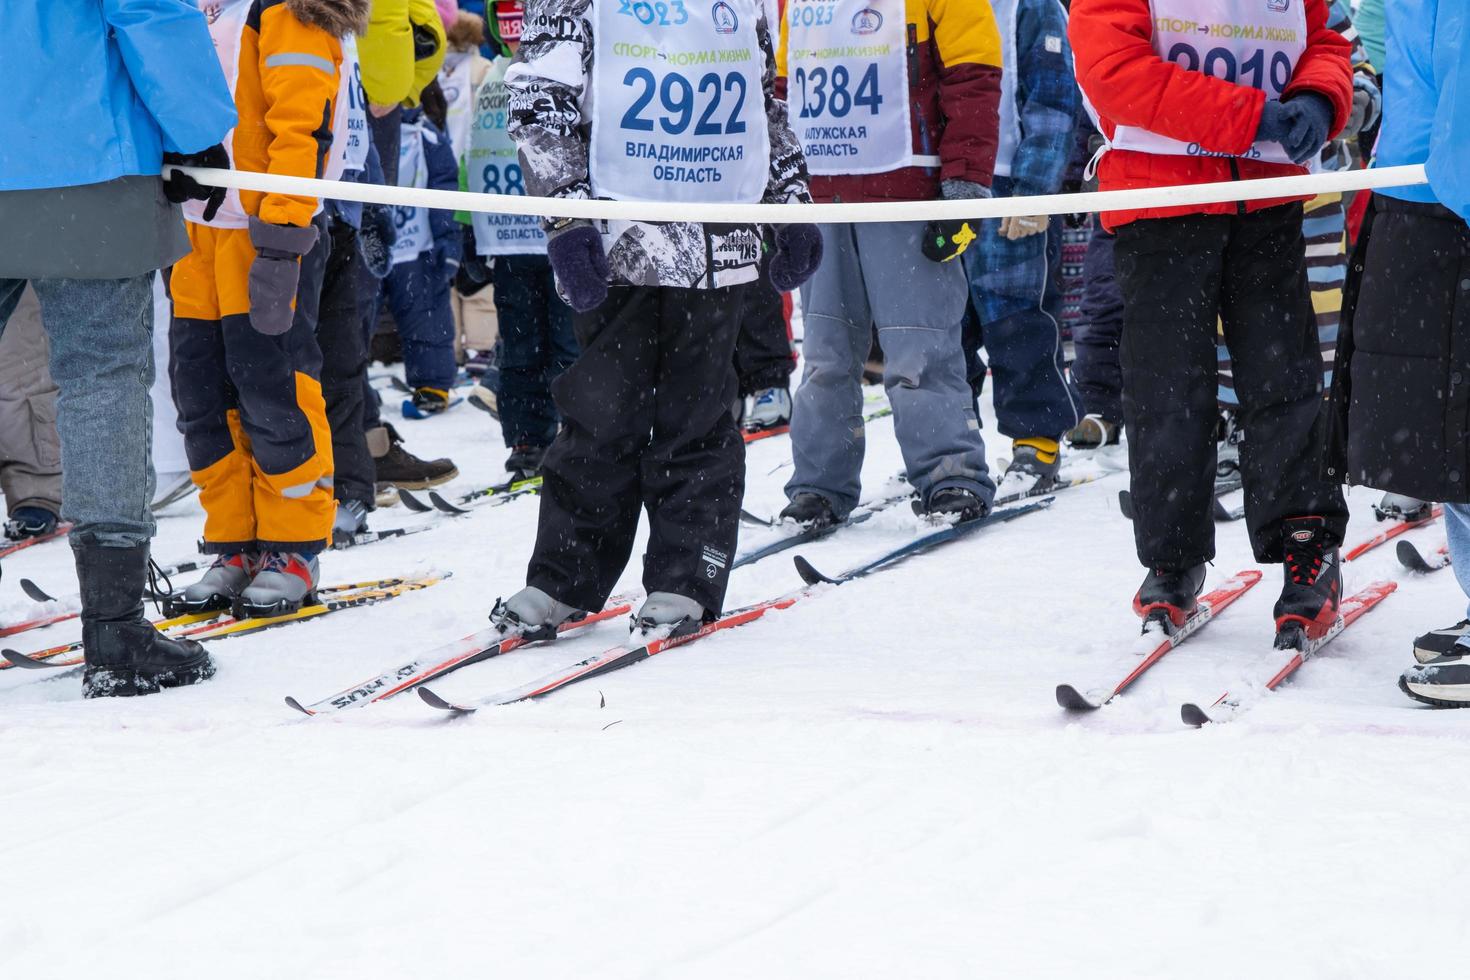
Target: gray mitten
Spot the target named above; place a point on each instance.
(275, 273)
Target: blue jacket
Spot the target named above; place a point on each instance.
(103, 88)
(1426, 110)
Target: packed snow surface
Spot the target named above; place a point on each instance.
(876, 782)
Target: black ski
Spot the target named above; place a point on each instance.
(1409, 556)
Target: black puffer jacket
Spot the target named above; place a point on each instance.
(1401, 394)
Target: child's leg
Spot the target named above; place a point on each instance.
(527, 415)
(420, 304)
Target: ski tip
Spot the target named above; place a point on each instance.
(443, 505)
(1194, 716)
(435, 701)
(36, 593)
(412, 503)
(1074, 700)
(292, 702)
(1125, 504)
(809, 574)
(18, 659)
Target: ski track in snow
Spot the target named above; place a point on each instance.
(875, 782)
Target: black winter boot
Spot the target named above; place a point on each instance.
(810, 510)
(1307, 608)
(1169, 597)
(126, 655)
(397, 467)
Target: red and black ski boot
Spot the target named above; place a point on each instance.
(1168, 597)
(1307, 608)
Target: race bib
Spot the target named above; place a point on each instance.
(411, 224)
(1256, 43)
(848, 85)
(226, 19)
(456, 81)
(678, 110)
(349, 120)
(492, 167)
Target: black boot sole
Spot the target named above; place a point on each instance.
(181, 607)
(131, 682)
(246, 610)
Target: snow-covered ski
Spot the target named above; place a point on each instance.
(1230, 704)
(220, 625)
(1409, 556)
(472, 649)
(864, 513)
(1393, 530)
(499, 493)
(10, 548)
(1156, 644)
(628, 654)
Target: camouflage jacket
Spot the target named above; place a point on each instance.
(551, 129)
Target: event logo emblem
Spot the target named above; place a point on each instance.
(866, 21)
(724, 17)
(1278, 6)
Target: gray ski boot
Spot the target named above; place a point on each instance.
(667, 614)
(286, 581)
(531, 613)
(217, 589)
(1028, 474)
(351, 520)
(1399, 507)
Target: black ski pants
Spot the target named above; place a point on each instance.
(763, 355)
(646, 424)
(1178, 275)
(345, 364)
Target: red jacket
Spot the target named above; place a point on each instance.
(954, 60)
(1128, 84)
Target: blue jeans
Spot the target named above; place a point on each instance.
(1457, 527)
(101, 334)
(536, 345)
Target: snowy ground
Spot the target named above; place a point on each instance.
(875, 783)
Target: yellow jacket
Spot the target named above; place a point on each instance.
(391, 73)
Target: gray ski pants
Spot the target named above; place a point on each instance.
(30, 452)
(876, 275)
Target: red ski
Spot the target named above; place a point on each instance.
(9, 549)
(1229, 705)
(1154, 646)
(1389, 533)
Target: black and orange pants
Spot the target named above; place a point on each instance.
(250, 405)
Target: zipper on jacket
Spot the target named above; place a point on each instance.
(1235, 175)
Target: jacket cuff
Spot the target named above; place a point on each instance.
(288, 239)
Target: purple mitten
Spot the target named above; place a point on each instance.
(580, 265)
(798, 254)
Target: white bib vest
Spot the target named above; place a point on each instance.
(492, 167)
(1256, 43)
(411, 224)
(349, 118)
(457, 82)
(848, 86)
(678, 112)
(226, 24)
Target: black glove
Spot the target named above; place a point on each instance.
(1300, 125)
(798, 254)
(180, 187)
(275, 273)
(376, 237)
(580, 265)
(474, 273)
(946, 240)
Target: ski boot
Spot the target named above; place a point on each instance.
(398, 468)
(217, 589)
(1443, 681)
(1398, 507)
(286, 581)
(531, 613)
(955, 504)
(1094, 432)
(351, 520)
(1228, 437)
(769, 408)
(665, 614)
(1033, 469)
(426, 402)
(810, 510)
(1307, 608)
(126, 655)
(1168, 597)
(1449, 641)
(524, 462)
(29, 522)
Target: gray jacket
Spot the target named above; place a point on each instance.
(549, 126)
(114, 230)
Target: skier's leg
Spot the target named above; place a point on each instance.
(1272, 335)
(590, 492)
(1169, 270)
(693, 471)
(827, 414)
(917, 306)
(527, 419)
(1096, 338)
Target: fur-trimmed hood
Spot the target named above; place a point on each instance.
(337, 17)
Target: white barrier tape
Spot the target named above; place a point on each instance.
(1305, 185)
